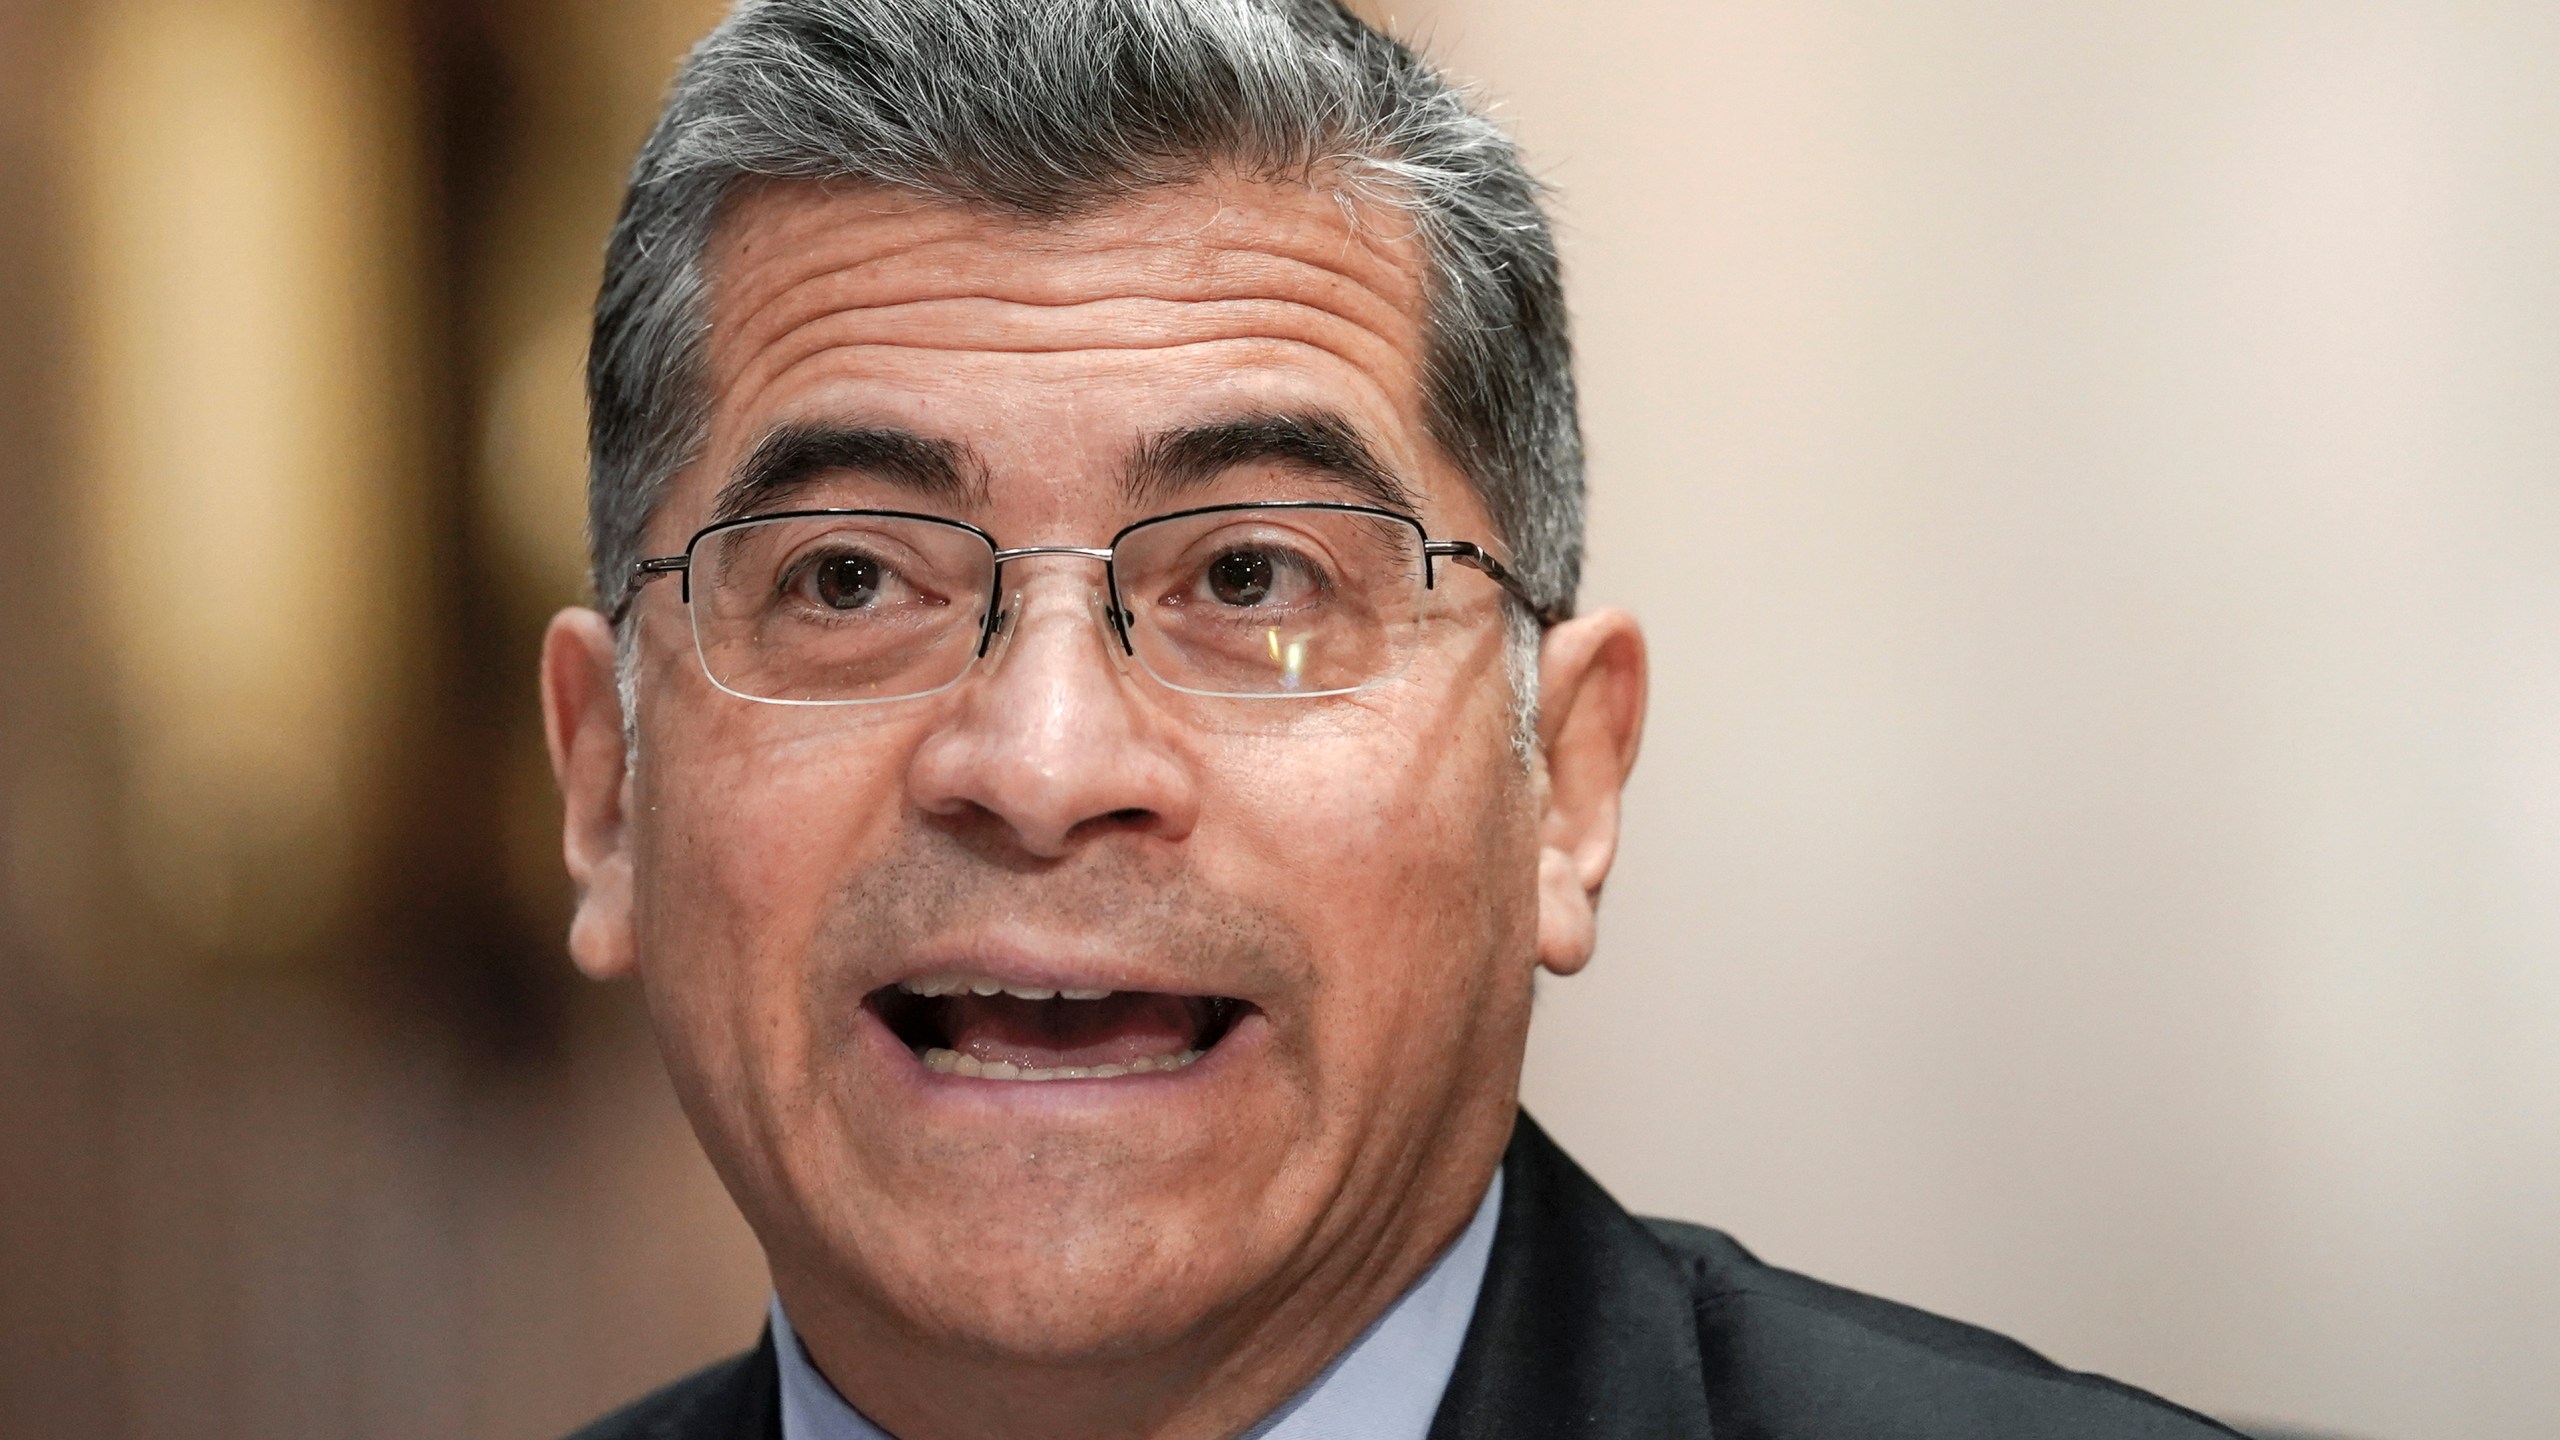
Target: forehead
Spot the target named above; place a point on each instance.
(1037, 342)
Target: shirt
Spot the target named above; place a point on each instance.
(1386, 1386)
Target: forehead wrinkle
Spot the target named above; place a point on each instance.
(1196, 268)
(1363, 356)
(1370, 360)
(852, 293)
(894, 268)
(883, 283)
(820, 298)
(1209, 270)
(797, 286)
(1331, 238)
(925, 327)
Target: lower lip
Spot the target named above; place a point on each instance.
(1242, 1042)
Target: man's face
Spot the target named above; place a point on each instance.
(1333, 901)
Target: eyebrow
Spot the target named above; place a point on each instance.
(794, 457)
(1330, 446)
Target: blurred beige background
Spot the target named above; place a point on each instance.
(2091, 474)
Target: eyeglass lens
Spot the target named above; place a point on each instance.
(1278, 602)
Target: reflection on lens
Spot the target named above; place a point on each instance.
(1291, 662)
(1270, 601)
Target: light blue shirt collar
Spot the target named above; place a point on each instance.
(1386, 1386)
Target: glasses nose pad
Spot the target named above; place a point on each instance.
(1114, 621)
(1003, 616)
(1011, 608)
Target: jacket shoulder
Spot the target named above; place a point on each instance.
(1788, 1355)
(725, 1401)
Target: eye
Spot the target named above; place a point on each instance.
(843, 581)
(847, 582)
(1241, 577)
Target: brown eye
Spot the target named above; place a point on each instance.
(1241, 577)
(846, 582)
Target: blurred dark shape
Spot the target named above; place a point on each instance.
(332, 1142)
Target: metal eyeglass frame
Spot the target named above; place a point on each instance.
(1462, 552)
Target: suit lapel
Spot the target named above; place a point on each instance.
(752, 1407)
(1585, 1327)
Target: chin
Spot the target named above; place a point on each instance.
(1069, 1287)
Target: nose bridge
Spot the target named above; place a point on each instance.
(1013, 600)
(1025, 552)
(1050, 741)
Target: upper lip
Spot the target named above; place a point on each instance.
(1030, 968)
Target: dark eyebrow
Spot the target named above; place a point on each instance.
(1179, 460)
(792, 458)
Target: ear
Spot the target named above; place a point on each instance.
(582, 720)
(1591, 694)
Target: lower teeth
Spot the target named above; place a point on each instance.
(952, 1062)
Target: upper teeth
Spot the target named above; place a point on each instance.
(981, 985)
(952, 1062)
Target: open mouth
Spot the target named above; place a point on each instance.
(988, 1029)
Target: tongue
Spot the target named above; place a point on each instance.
(1123, 1027)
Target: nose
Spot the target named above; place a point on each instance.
(1051, 742)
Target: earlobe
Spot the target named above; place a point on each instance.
(1591, 696)
(582, 721)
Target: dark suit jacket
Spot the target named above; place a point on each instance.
(1593, 1323)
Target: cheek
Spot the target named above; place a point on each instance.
(1411, 869)
(772, 799)
(744, 849)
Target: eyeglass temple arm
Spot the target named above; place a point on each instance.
(642, 572)
(1475, 557)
